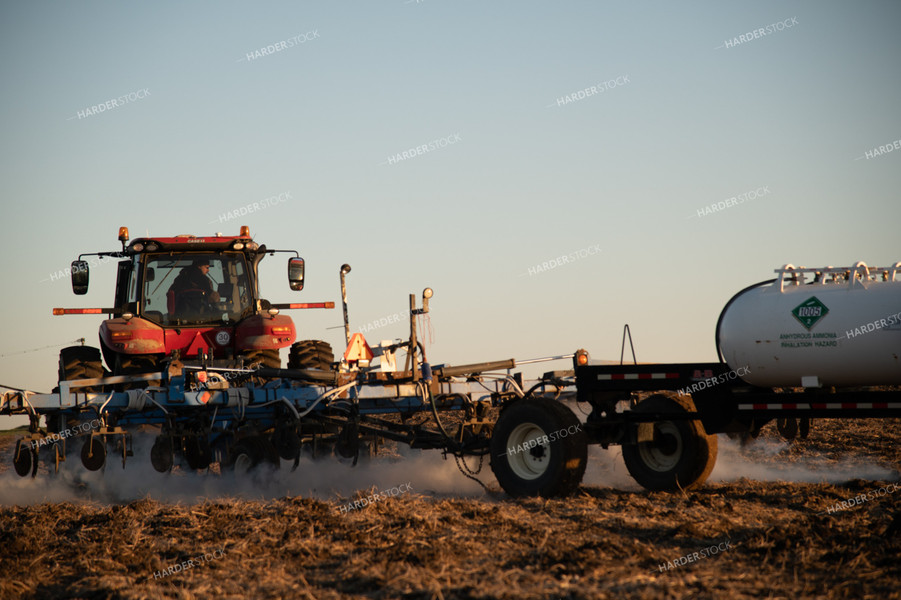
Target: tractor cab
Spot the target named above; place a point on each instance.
(189, 288)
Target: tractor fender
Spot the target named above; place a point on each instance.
(135, 336)
(259, 332)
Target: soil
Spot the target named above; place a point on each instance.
(732, 538)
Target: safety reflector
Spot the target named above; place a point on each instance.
(358, 349)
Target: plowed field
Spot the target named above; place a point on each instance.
(769, 524)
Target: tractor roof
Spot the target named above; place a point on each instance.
(190, 243)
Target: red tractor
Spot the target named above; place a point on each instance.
(194, 300)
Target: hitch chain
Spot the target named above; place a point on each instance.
(469, 473)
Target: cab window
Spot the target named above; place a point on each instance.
(195, 289)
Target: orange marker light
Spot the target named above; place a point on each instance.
(80, 311)
(581, 358)
(312, 305)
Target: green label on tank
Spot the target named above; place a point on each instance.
(810, 311)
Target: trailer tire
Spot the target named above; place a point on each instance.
(311, 354)
(681, 455)
(554, 468)
(80, 362)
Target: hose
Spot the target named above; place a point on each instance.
(328, 394)
(431, 399)
(287, 403)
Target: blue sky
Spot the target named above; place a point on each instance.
(688, 123)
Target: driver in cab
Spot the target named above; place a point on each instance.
(193, 290)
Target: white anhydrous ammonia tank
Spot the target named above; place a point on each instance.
(816, 327)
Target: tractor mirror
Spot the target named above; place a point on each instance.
(149, 274)
(295, 273)
(80, 277)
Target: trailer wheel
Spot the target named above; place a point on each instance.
(80, 362)
(538, 448)
(680, 453)
(311, 354)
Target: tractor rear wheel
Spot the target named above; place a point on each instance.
(135, 364)
(80, 362)
(670, 455)
(268, 359)
(311, 354)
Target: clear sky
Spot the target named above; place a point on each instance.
(524, 162)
